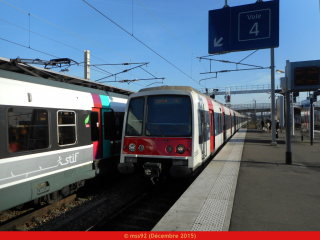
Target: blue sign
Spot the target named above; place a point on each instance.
(246, 27)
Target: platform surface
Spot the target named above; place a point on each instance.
(207, 203)
(249, 187)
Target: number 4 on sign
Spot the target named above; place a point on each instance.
(254, 29)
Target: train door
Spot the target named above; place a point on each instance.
(112, 130)
(224, 126)
(203, 133)
(117, 133)
(234, 123)
(221, 128)
(231, 125)
(107, 128)
(96, 133)
(211, 114)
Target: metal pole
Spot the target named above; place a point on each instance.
(288, 135)
(273, 127)
(255, 112)
(292, 109)
(225, 5)
(87, 64)
(311, 120)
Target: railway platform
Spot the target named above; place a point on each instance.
(248, 187)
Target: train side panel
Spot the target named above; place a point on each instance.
(52, 138)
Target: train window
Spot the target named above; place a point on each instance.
(67, 127)
(135, 117)
(201, 126)
(27, 129)
(94, 116)
(118, 118)
(212, 123)
(108, 125)
(228, 123)
(169, 115)
(207, 126)
(216, 123)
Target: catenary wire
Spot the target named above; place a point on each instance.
(173, 36)
(33, 49)
(71, 33)
(102, 70)
(141, 42)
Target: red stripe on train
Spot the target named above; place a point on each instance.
(157, 146)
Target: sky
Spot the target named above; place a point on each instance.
(168, 35)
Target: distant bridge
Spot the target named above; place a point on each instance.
(242, 89)
(260, 107)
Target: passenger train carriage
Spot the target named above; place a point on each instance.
(173, 130)
(54, 135)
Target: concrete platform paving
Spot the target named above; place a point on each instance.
(267, 195)
(207, 203)
(274, 196)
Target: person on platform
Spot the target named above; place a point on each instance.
(262, 125)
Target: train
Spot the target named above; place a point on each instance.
(57, 131)
(173, 131)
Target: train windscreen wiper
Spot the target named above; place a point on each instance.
(160, 131)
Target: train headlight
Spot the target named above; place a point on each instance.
(132, 147)
(141, 148)
(169, 149)
(180, 149)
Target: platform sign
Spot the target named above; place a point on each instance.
(246, 27)
(303, 76)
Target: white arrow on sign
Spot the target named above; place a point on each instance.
(217, 43)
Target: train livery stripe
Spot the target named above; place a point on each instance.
(15, 169)
(96, 100)
(43, 175)
(105, 101)
(211, 114)
(157, 146)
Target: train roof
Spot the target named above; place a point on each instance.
(5, 64)
(181, 88)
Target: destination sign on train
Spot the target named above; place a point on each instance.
(167, 101)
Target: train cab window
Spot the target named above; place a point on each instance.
(27, 129)
(67, 127)
(169, 115)
(135, 117)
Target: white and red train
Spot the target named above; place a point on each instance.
(54, 134)
(173, 130)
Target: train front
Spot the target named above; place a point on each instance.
(157, 135)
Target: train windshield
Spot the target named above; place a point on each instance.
(135, 117)
(168, 115)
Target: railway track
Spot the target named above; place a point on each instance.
(144, 211)
(34, 214)
(79, 211)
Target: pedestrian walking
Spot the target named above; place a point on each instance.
(262, 125)
(277, 127)
(268, 125)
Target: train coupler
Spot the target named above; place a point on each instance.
(152, 171)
